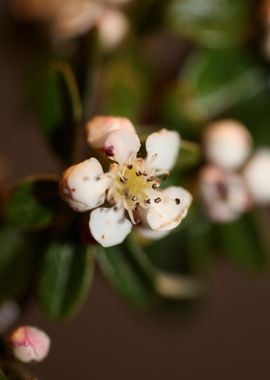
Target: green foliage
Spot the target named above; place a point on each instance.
(33, 203)
(215, 80)
(125, 275)
(125, 85)
(66, 276)
(213, 23)
(19, 253)
(240, 242)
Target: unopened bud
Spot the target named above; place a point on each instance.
(224, 194)
(99, 128)
(256, 174)
(29, 344)
(227, 144)
(113, 27)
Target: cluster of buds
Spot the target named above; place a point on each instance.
(234, 180)
(71, 18)
(130, 190)
(29, 344)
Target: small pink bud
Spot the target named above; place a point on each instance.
(99, 128)
(227, 144)
(29, 344)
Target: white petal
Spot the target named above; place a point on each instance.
(257, 174)
(99, 128)
(109, 226)
(150, 234)
(84, 185)
(122, 146)
(162, 149)
(169, 213)
(227, 144)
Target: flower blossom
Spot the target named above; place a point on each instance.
(67, 19)
(130, 190)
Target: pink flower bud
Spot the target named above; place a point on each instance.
(29, 344)
(224, 194)
(227, 144)
(257, 174)
(99, 128)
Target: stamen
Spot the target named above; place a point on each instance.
(123, 179)
(150, 179)
(158, 200)
(139, 173)
(177, 201)
(134, 198)
(130, 167)
(155, 186)
(147, 201)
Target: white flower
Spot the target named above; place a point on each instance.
(257, 174)
(227, 144)
(130, 186)
(224, 194)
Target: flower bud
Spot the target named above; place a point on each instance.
(113, 27)
(227, 144)
(224, 194)
(257, 174)
(29, 344)
(99, 128)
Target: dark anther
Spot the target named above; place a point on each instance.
(157, 200)
(177, 201)
(130, 167)
(155, 186)
(150, 179)
(134, 198)
(148, 201)
(115, 208)
(138, 174)
(123, 179)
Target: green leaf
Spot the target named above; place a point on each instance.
(66, 276)
(213, 23)
(255, 115)
(56, 99)
(239, 240)
(125, 85)
(18, 257)
(215, 80)
(124, 275)
(190, 156)
(2, 376)
(33, 203)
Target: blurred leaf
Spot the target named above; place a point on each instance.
(2, 376)
(58, 106)
(123, 274)
(215, 80)
(125, 85)
(189, 156)
(66, 276)
(33, 202)
(213, 23)
(255, 114)
(18, 257)
(239, 240)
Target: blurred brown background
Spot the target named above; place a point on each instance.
(227, 338)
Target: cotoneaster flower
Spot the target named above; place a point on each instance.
(130, 191)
